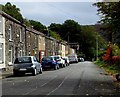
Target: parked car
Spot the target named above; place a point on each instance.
(26, 64)
(81, 59)
(50, 62)
(73, 58)
(66, 61)
(60, 61)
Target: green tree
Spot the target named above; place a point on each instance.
(72, 29)
(110, 17)
(55, 35)
(89, 41)
(26, 22)
(55, 27)
(13, 11)
(38, 26)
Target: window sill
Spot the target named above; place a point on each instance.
(1, 62)
(10, 40)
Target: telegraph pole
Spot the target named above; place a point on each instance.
(97, 47)
(68, 44)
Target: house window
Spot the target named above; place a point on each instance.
(10, 32)
(1, 52)
(11, 54)
(1, 26)
(20, 34)
(21, 52)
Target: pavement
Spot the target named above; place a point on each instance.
(4, 74)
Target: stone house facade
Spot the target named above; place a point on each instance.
(2, 42)
(14, 39)
(18, 40)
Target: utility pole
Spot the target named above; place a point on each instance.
(68, 44)
(97, 47)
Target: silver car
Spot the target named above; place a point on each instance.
(26, 64)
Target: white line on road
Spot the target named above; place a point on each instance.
(40, 86)
(57, 87)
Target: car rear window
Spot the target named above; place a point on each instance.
(46, 59)
(23, 60)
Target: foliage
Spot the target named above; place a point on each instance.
(84, 35)
(115, 50)
(13, 11)
(110, 17)
(111, 57)
(72, 29)
(27, 23)
(107, 57)
(55, 27)
(55, 35)
(89, 41)
(37, 25)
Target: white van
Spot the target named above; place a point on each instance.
(73, 58)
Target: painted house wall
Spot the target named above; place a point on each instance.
(2, 41)
(63, 50)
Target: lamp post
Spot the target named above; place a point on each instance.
(68, 44)
(97, 47)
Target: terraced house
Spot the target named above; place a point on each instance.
(18, 40)
(12, 40)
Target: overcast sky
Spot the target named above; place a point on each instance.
(57, 12)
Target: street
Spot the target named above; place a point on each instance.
(83, 78)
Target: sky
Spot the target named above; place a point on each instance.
(58, 12)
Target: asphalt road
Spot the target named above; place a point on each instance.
(82, 78)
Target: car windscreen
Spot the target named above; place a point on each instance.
(23, 60)
(46, 59)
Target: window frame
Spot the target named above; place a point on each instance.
(1, 25)
(1, 54)
(10, 32)
(20, 34)
(11, 54)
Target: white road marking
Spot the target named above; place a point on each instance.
(58, 86)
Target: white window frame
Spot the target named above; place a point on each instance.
(1, 25)
(21, 51)
(20, 34)
(11, 54)
(1, 53)
(10, 32)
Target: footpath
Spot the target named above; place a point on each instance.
(4, 74)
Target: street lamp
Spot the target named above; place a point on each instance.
(68, 44)
(97, 47)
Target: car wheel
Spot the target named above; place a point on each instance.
(15, 73)
(35, 72)
(40, 71)
(55, 67)
(58, 67)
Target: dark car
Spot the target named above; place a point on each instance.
(27, 64)
(50, 62)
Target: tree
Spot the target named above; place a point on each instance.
(110, 17)
(55, 35)
(13, 11)
(72, 29)
(37, 26)
(55, 27)
(89, 41)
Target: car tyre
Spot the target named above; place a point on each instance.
(34, 72)
(15, 73)
(58, 66)
(41, 71)
(55, 68)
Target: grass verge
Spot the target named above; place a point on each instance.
(111, 69)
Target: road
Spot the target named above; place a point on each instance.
(82, 78)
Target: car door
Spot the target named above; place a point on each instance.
(36, 64)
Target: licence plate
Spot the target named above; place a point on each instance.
(22, 69)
